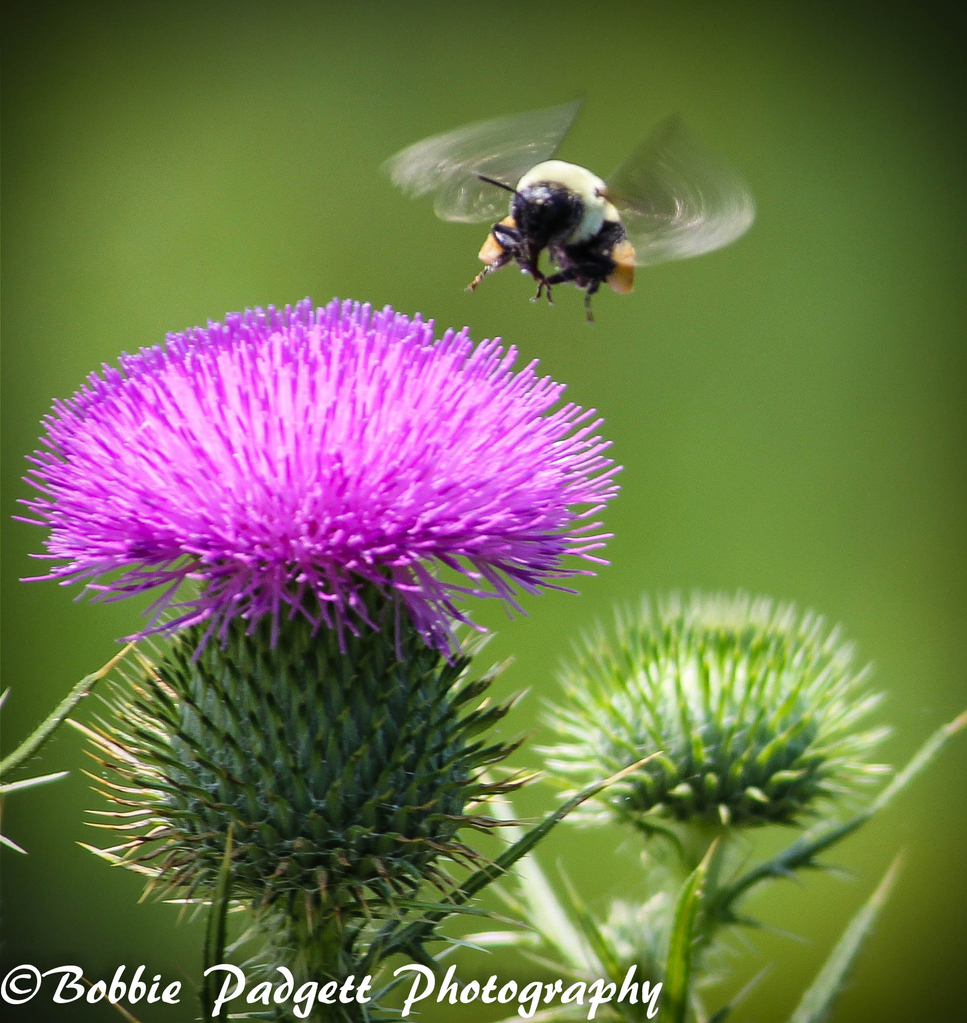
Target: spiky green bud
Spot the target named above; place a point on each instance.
(756, 712)
(343, 766)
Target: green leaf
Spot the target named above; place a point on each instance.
(720, 1015)
(394, 938)
(803, 852)
(46, 729)
(679, 967)
(818, 1000)
(543, 910)
(452, 907)
(504, 939)
(592, 933)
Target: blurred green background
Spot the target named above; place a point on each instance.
(789, 412)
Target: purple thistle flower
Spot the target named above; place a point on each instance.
(289, 455)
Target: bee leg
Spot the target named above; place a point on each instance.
(543, 286)
(589, 291)
(502, 260)
(528, 265)
(561, 277)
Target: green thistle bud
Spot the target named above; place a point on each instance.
(343, 766)
(636, 933)
(755, 711)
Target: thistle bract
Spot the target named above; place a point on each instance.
(286, 459)
(342, 771)
(756, 711)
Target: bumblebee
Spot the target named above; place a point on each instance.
(670, 199)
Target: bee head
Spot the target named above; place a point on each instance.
(546, 211)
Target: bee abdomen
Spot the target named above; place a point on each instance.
(608, 256)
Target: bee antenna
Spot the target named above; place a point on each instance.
(499, 184)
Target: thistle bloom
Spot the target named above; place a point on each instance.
(287, 460)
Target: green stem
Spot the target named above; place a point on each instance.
(315, 947)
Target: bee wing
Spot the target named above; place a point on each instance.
(503, 148)
(676, 199)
